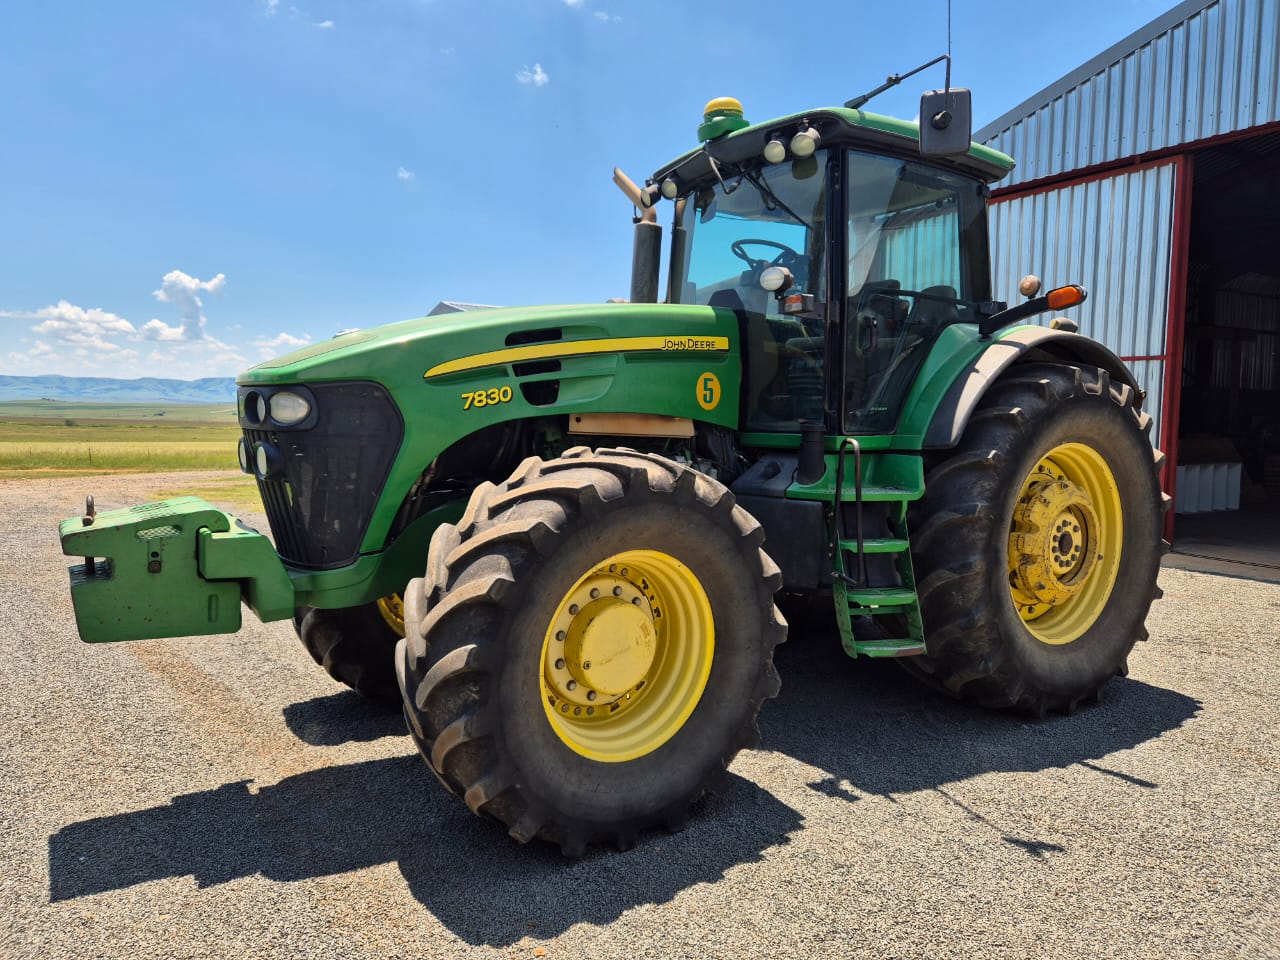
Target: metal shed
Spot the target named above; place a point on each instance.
(1151, 174)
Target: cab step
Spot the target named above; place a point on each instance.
(877, 545)
(889, 648)
(876, 599)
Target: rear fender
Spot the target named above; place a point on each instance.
(1022, 344)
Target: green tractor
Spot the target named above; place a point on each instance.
(828, 407)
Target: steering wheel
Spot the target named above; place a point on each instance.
(785, 256)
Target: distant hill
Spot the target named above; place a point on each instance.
(108, 390)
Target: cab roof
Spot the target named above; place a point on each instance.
(835, 124)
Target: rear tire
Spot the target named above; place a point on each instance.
(355, 645)
(499, 691)
(1054, 470)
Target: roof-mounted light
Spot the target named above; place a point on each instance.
(670, 189)
(775, 151)
(805, 142)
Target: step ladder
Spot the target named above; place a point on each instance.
(854, 596)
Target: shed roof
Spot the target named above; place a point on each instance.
(1202, 69)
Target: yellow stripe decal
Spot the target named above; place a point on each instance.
(575, 348)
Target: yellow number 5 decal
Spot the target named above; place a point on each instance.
(708, 391)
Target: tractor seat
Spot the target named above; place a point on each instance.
(933, 309)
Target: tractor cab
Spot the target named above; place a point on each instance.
(844, 251)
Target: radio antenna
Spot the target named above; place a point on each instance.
(948, 80)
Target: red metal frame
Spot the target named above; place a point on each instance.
(1179, 255)
(1179, 250)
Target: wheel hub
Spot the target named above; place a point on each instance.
(392, 609)
(1052, 550)
(626, 655)
(604, 643)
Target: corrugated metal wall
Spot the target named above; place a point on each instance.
(1255, 368)
(1215, 72)
(923, 253)
(1114, 235)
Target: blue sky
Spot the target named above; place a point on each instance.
(187, 188)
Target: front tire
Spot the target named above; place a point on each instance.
(590, 646)
(1038, 542)
(356, 645)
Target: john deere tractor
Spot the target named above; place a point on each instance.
(556, 534)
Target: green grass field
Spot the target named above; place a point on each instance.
(118, 412)
(43, 438)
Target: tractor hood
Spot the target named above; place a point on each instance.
(431, 347)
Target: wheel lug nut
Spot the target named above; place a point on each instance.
(572, 685)
(586, 664)
(591, 711)
(591, 694)
(624, 571)
(573, 608)
(617, 591)
(559, 634)
(636, 601)
(560, 664)
(594, 593)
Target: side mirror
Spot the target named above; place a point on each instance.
(946, 122)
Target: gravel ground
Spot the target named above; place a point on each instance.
(221, 797)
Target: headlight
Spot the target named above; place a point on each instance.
(289, 408)
(267, 460)
(242, 453)
(255, 407)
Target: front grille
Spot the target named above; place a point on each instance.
(334, 470)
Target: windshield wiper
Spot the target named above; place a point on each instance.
(772, 198)
(771, 201)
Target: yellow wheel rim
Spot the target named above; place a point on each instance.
(626, 656)
(1065, 539)
(392, 609)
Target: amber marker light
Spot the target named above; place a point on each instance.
(1063, 297)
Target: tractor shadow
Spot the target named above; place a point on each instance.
(466, 871)
(869, 727)
(344, 717)
(877, 731)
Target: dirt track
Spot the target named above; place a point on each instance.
(222, 797)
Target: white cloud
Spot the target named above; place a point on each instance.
(325, 25)
(536, 77)
(403, 174)
(69, 324)
(574, 3)
(184, 291)
(280, 343)
(80, 341)
(159, 330)
(272, 6)
(606, 17)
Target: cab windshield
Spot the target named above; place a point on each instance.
(773, 215)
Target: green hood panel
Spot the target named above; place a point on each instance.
(363, 354)
(454, 375)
